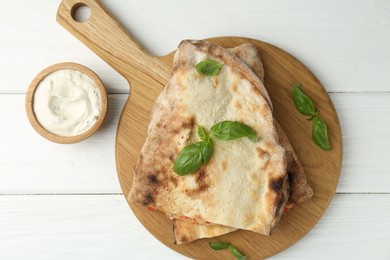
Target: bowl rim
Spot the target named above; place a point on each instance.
(30, 102)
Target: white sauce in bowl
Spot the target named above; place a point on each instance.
(67, 102)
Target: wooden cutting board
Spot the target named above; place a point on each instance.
(147, 75)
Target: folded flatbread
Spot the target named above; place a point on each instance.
(244, 185)
(186, 230)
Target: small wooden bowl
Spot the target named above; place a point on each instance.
(30, 101)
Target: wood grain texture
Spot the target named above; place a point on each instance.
(30, 103)
(147, 76)
(103, 227)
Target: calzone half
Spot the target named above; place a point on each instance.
(245, 184)
(187, 230)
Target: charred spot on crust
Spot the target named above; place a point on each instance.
(291, 176)
(173, 180)
(203, 187)
(277, 184)
(188, 124)
(256, 90)
(182, 123)
(183, 239)
(161, 125)
(147, 199)
(158, 178)
(171, 158)
(200, 178)
(152, 179)
(201, 181)
(260, 152)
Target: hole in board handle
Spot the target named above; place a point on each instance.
(80, 12)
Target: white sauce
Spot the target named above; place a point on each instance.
(67, 102)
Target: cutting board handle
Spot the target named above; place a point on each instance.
(113, 43)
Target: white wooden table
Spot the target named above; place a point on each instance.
(64, 201)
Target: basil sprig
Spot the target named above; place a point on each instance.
(202, 134)
(306, 107)
(218, 245)
(302, 102)
(231, 130)
(193, 156)
(236, 253)
(209, 67)
(224, 245)
(320, 133)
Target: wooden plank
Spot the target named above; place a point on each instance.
(103, 227)
(347, 51)
(31, 164)
(354, 227)
(74, 227)
(35, 165)
(365, 122)
(33, 43)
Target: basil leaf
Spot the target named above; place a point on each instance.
(202, 133)
(219, 245)
(190, 159)
(302, 102)
(207, 150)
(320, 133)
(231, 130)
(237, 254)
(209, 67)
(224, 245)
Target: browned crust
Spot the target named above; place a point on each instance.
(281, 187)
(186, 230)
(248, 53)
(301, 191)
